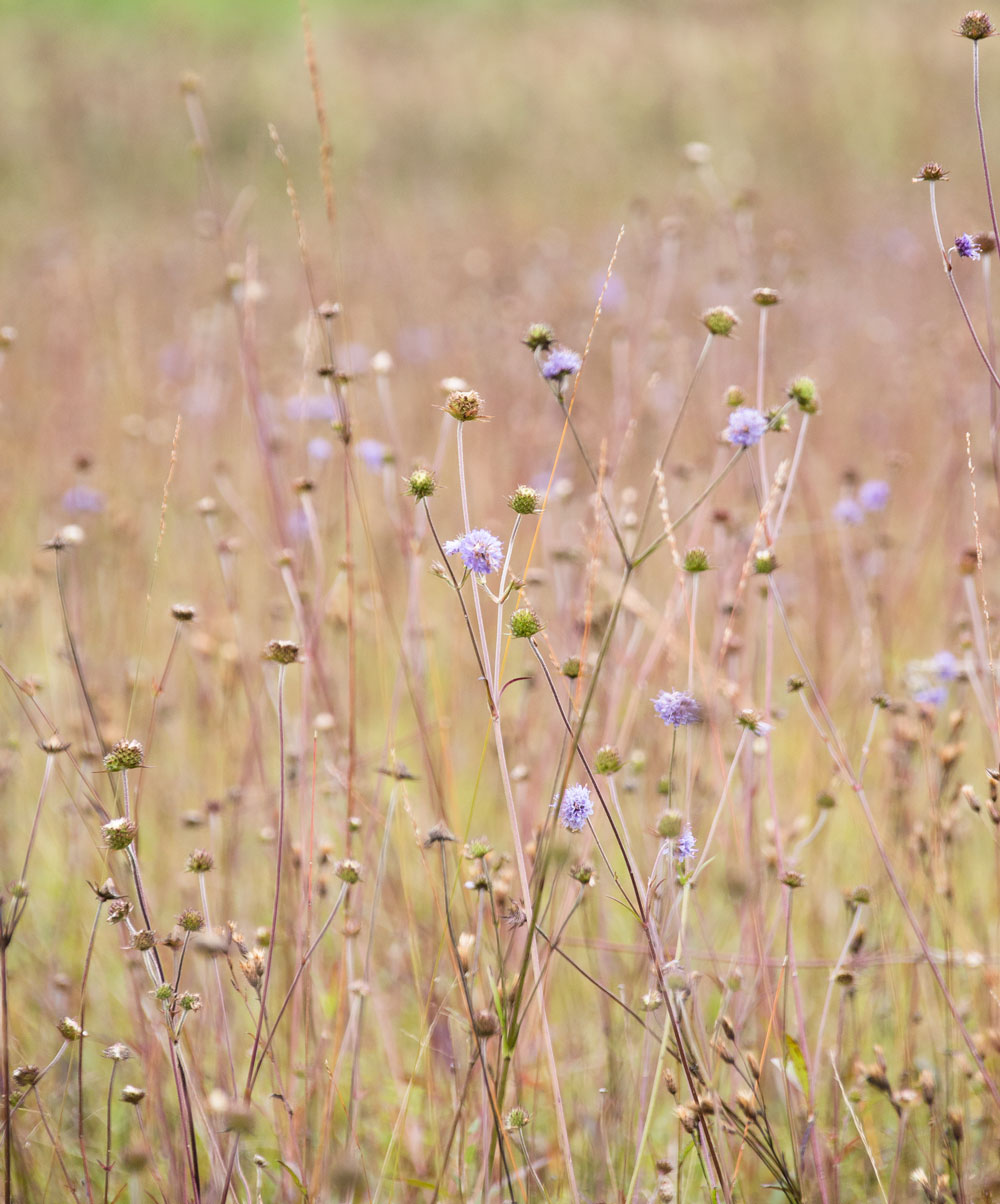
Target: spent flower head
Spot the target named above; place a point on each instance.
(735, 397)
(677, 708)
(608, 760)
(765, 296)
(930, 173)
(539, 337)
(976, 25)
(525, 500)
(119, 833)
(575, 808)
(480, 550)
(464, 405)
(420, 484)
(130, 1094)
(282, 652)
(524, 624)
(199, 861)
(720, 320)
(124, 754)
(696, 561)
(803, 392)
(745, 428)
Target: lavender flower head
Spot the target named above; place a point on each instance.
(874, 495)
(575, 808)
(746, 427)
(686, 846)
(83, 499)
(319, 448)
(372, 454)
(967, 247)
(945, 665)
(480, 550)
(848, 512)
(561, 363)
(935, 696)
(677, 708)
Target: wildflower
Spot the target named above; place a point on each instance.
(934, 696)
(696, 561)
(516, 1119)
(119, 833)
(373, 454)
(524, 624)
(930, 173)
(874, 494)
(945, 665)
(199, 861)
(319, 448)
(284, 652)
(480, 550)
(686, 846)
(967, 247)
(316, 407)
(677, 708)
(539, 337)
(464, 405)
(524, 500)
(848, 512)
(746, 427)
(575, 808)
(720, 321)
(125, 754)
(976, 25)
(82, 499)
(420, 484)
(561, 363)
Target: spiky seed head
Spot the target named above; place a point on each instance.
(803, 392)
(734, 397)
(696, 561)
(199, 861)
(516, 1119)
(765, 297)
(720, 320)
(570, 667)
(525, 500)
(793, 879)
(608, 760)
(477, 849)
(191, 921)
(70, 1030)
(25, 1076)
(119, 833)
(282, 652)
(539, 337)
(464, 405)
(143, 940)
(670, 825)
(118, 910)
(930, 173)
(524, 624)
(976, 25)
(348, 871)
(420, 484)
(124, 754)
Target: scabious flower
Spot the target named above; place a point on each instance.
(931, 696)
(746, 427)
(967, 247)
(372, 454)
(319, 448)
(874, 495)
(314, 407)
(686, 846)
(945, 665)
(575, 808)
(848, 512)
(561, 363)
(480, 550)
(677, 708)
(83, 499)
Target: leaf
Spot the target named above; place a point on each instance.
(798, 1061)
(294, 1178)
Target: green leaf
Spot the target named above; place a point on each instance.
(798, 1061)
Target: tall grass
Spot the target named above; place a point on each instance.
(541, 749)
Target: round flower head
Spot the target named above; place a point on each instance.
(848, 512)
(946, 665)
(373, 454)
(976, 25)
(686, 846)
(562, 362)
(746, 427)
(930, 173)
(874, 495)
(677, 708)
(720, 321)
(967, 247)
(481, 551)
(575, 808)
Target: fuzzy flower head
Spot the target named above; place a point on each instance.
(874, 495)
(480, 550)
(930, 173)
(976, 25)
(677, 708)
(848, 512)
(561, 363)
(686, 846)
(746, 427)
(575, 808)
(967, 247)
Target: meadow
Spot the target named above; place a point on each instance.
(499, 602)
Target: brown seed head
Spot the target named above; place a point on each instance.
(976, 25)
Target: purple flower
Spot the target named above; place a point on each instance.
(315, 407)
(81, 499)
(874, 495)
(967, 247)
(677, 708)
(931, 696)
(562, 362)
(372, 454)
(945, 665)
(746, 427)
(575, 808)
(480, 550)
(297, 526)
(319, 448)
(686, 846)
(848, 512)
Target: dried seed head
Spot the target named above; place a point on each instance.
(608, 760)
(927, 1086)
(485, 1024)
(253, 967)
(976, 25)
(25, 1076)
(464, 405)
(53, 744)
(420, 484)
(688, 1117)
(106, 891)
(539, 337)
(124, 754)
(119, 833)
(930, 173)
(118, 910)
(70, 1030)
(191, 921)
(766, 296)
(348, 871)
(199, 861)
(439, 834)
(143, 940)
(466, 948)
(119, 1052)
(182, 612)
(131, 1095)
(282, 652)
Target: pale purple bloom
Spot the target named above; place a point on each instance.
(319, 448)
(967, 247)
(848, 512)
(480, 550)
(931, 695)
(314, 407)
(82, 499)
(746, 427)
(297, 526)
(372, 454)
(946, 666)
(677, 708)
(575, 808)
(615, 293)
(562, 362)
(874, 495)
(686, 846)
